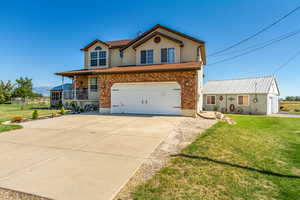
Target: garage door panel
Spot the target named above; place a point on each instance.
(154, 98)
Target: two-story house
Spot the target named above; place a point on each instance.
(159, 72)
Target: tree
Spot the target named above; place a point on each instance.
(6, 90)
(292, 98)
(24, 88)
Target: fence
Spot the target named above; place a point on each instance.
(31, 101)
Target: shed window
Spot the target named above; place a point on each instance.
(211, 100)
(243, 100)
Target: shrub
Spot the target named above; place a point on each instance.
(216, 108)
(62, 110)
(297, 110)
(35, 114)
(17, 119)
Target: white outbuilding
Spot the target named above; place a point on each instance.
(258, 95)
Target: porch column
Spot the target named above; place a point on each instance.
(75, 91)
(62, 90)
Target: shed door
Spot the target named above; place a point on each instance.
(146, 98)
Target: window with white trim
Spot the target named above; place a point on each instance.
(167, 55)
(98, 58)
(210, 100)
(243, 100)
(93, 84)
(147, 56)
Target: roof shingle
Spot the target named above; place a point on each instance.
(135, 68)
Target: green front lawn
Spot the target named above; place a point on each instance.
(258, 158)
(8, 111)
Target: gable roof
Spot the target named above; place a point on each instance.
(110, 44)
(258, 85)
(124, 44)
(155, 34)
(118, 43)
(162, 27)
(66, 86)
(135, 69)
(201, 42)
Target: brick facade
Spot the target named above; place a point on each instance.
(82, 82)
(186, 79)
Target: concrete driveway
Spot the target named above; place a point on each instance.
(79, 156)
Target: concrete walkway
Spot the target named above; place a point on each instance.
(79, 156)
(289, 115)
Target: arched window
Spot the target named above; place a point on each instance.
(98, 57)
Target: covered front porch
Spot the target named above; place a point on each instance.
(83, 95)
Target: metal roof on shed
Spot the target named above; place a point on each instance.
(66, 86)
(259, 85)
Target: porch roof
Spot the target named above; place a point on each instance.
(135, 69)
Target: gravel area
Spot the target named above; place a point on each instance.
(7, 194)
(182, 135)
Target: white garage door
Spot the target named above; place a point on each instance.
(146, 98)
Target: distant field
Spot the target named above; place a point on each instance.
(290, 106)
(8, 111)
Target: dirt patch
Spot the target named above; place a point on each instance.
(182, 135)
(7, 194)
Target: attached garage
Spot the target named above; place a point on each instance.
(146, 98)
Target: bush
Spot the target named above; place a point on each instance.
(17, 119)
(297, 110)
(62, 110)
(35, 114)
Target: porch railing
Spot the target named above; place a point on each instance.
(78, 94)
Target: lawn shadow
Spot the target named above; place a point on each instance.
(236, 166)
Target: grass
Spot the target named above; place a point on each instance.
(258, 158)
(290, 106)
(4, 127)
(8, 111)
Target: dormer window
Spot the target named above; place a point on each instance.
(98, 57)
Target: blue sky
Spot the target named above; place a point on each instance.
(41, 37)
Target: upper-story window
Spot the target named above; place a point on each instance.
(167, 55)
(147, 56)
(98, 57)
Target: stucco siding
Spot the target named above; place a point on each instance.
(115, 59)
(164, 43)
(92, 48)
(189, 50)
(129, 56)
(187, 53)
(260, 107)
